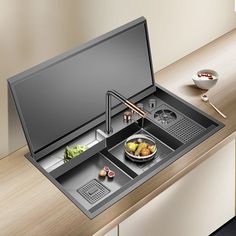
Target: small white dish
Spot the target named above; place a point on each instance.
(205, 79)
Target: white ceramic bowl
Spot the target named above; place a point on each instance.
(204, 82)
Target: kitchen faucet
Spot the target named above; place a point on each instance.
(125, 101)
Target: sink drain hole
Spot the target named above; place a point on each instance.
(93, 191)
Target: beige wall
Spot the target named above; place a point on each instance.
(32, 31)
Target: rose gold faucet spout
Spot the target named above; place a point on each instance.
(125, 101)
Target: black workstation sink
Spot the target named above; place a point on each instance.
(61, 103)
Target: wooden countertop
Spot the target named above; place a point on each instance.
(31, 205)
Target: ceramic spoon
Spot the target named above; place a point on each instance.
(205, 98)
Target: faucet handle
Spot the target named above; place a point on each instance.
(127, 116)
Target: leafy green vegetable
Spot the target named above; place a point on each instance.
(74, 151)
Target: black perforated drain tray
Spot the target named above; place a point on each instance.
(93, 191)
(176, 123)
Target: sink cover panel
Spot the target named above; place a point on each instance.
(84, 184)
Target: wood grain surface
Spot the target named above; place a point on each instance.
(31, 205)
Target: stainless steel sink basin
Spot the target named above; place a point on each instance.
(86, 187)
(166, 145)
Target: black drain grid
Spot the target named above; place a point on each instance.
(93, 191)
(185, 130)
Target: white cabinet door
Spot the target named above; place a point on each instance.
(113, 232)
(195, 205)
